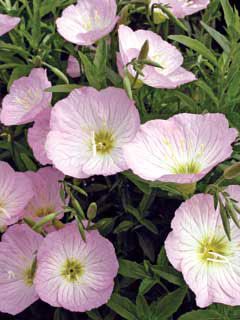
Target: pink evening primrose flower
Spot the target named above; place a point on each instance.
(87, 21)
(73, 67)
(46, 199)
(88, 131)
(181, 8)
(198, 247)
(73, 274)
(26, 98)
(182, 149)
(37, 136)
(15, 192)
(18, 250)
(170, 75)
(7, 23)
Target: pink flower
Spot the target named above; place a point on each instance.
(7, 23)
(73, 274)
(181, 8)
(15, 192)
(170, 76)
(88, 131)
(46, 199)
(73, 67)
(182, 149)
(87, 21)
(37, 136)
(199, 248)
(17, 259)
(26, 98)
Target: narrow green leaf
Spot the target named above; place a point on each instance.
(168, 274)
(201, 315)
(225, 220)
(169, 304)
(197, 46)
(36, 24)
(208, 90)
(90, 71)
(123, 307)
(29, 164)
(218, 37)
(124, 226)
(57, 72)
(146, 285)
(142, 307)
(63, 88)
(131, 269)
(228, 12)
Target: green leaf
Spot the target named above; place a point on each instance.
(123, 307)
(149, 225)
(142, 307)
(57, 72)
(63, 88)
(197, 46)
(131, 269)
(208, 90)
(140, 183)
(100, 62)
(186, 100)
(127, 86)
(225, 219)
(94, 315)
(36, 24)
(50, 217)
(169, 274)
(146, 285)
(173, 18)
(228, 12)
(124, 226)
(29, 164)
(203, 315)
(218, 37)
(90, 71)
(169, 304)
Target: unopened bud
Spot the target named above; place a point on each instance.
(232, 172)
(92, 211)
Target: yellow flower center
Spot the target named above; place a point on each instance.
(215, 250)
(42, 212)
(103, 142)
(72, 270)
(188, 168)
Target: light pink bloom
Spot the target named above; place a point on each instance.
(170, 76)
(46, 187)
(199, 248)
(26, 98)
(7, 23)
(18, 250)
(181, 8)
(73, 274)
(73, 67)
(182, 149)
(88, 131)
(37, 136)
(87, 21)
(15, 192)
